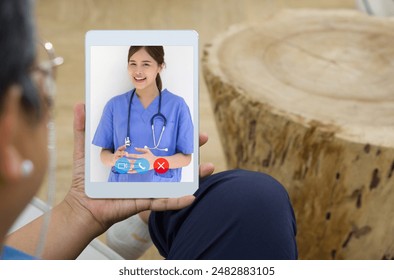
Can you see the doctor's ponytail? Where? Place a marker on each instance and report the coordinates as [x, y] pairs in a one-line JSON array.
[[159, 84], [157, 53]]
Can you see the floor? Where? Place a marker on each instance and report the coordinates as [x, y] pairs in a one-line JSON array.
[[65, 23]]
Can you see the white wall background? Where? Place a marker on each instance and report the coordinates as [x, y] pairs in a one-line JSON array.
[[109, 77]]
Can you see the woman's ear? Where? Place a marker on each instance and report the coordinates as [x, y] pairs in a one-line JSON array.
[[11, 161], [161, 67]]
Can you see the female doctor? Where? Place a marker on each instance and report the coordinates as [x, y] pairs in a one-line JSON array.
[[145, 123]]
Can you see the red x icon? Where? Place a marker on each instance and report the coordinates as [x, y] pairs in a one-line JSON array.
[[161, 165]]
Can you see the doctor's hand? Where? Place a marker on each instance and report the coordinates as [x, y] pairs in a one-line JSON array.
[[177, 160], [119, 153], [144, 153], [96, 215]]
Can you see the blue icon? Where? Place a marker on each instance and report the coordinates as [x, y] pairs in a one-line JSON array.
[[141, 165], [122, 165]]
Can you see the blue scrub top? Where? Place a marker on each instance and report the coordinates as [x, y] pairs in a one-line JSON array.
[[10, 253], [177, 136]]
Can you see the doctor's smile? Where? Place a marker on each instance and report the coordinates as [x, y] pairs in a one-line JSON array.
[[139, 79]]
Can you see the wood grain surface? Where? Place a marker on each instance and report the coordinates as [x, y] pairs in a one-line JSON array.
[[308, 98]]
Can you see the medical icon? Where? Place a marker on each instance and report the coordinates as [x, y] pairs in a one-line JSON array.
[[122, 165], [141, 165], [161, 165]]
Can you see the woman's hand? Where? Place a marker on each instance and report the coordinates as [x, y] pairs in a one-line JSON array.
[[78, 219], [105, 212], [206, 169]]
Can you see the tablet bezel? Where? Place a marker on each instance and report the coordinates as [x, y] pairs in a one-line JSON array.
[[146, 38]]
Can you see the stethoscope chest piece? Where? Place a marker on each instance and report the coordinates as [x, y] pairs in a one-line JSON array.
[[127, 141]]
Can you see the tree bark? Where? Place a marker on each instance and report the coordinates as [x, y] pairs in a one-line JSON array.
[[307, 96]]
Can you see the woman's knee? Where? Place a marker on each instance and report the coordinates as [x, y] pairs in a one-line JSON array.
[[253, 190]]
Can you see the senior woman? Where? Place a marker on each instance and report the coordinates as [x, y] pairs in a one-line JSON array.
[[236, 214], [24, 114]]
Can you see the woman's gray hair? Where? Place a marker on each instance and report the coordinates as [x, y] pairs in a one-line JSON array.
[[17, 51]]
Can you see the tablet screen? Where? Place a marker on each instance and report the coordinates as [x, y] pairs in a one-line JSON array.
[[141, 113]]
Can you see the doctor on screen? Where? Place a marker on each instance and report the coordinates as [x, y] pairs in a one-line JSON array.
[[146, 134]]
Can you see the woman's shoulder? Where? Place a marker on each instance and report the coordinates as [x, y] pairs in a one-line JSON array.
[[120, 98], [172, 96]]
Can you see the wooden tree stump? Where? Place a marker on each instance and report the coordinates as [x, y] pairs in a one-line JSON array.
[[308, 97]]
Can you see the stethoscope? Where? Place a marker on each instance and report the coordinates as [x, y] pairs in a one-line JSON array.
[[127, 141]]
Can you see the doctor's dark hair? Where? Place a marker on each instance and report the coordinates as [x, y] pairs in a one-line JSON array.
[[17, 52], [156, 52]]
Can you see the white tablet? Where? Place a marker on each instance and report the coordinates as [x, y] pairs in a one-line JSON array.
[[141, 113]]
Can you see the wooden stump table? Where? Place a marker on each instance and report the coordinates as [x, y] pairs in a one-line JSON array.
[[307, 96]]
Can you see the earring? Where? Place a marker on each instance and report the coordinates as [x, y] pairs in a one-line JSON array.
[[27, 167]]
